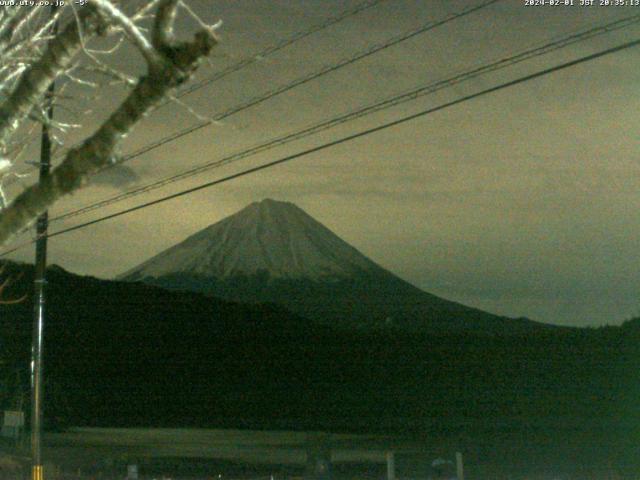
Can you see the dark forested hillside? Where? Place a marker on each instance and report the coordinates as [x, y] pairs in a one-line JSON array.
[[125, 354]]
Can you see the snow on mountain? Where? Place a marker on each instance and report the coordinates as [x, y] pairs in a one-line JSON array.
[[272, 236], [273, 252]]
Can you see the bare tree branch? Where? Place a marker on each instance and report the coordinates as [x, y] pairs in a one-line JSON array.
[[6, 283], [13, 24], [179, 61], [163, 27], [130, 29], [35, 81]]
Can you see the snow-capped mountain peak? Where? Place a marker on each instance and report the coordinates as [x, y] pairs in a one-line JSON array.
[[274, 252], [267, 236]]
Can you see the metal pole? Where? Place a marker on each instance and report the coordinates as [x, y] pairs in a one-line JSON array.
[[391, 466], [459, 466], [39, 298]]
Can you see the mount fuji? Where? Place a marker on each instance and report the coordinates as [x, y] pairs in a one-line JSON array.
[[274, 252]]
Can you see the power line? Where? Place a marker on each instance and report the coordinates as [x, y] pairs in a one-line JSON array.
[[360, 112], [308, 78], [300, 80], [279, 46], [305, 79], [296, 37], [347, 138]]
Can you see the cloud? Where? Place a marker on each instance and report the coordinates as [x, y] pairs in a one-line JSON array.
[[118, 176]]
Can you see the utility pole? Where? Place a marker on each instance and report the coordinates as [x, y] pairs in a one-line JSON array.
[[459, 466], [391, 466], [39, 295]]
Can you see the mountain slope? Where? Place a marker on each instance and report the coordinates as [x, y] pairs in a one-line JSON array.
[[123, 354], [269, 236], [274, 252]]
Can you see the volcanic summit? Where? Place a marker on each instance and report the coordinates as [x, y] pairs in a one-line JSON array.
[[274, 252]]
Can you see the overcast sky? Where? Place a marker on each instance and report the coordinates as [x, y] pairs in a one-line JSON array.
[[524, 202]]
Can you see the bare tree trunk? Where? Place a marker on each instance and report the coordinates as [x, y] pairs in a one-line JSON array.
[[169, 64]]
